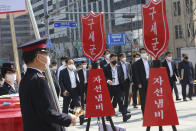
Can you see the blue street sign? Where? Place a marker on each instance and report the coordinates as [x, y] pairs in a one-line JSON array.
[[65, 24], [49, 44], [116, 39]]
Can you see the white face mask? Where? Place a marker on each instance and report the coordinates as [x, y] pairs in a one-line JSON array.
[[84, 66], [108, 56], [144, 56], [10, 77], [124, 60], [54, 67], [136, 59], [169, 58], [47, 62], [63, 63], [72, 67]]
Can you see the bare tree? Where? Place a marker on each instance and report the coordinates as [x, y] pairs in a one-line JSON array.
[[190, 36]]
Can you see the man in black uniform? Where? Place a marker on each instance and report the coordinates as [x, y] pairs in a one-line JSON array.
[[106, 60], [114, 78], [187, 76], [37, 106], [8, 72], [172, 72]]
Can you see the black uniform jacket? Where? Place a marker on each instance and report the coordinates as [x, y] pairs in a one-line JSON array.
[[103, 63], [81, 76], [140, 73], [38, 109], [65, 82], [7, 89], [108, 73], [174, 68]]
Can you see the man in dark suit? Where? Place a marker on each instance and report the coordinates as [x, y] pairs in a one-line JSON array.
[[125, 68], [142, 69], [83, 77], [8, 72], [38, 109], [106, 60], [187, 76], [70, 88], [171, 71], [114, 77], [135, 87]]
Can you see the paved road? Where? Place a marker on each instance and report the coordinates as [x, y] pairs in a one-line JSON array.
[[186, 114]]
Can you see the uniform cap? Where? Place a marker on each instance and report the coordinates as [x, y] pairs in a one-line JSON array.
[[36, 45]]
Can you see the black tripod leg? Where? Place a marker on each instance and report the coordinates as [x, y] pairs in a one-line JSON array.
[[160, 128], [103, 122], [174, 128], [111, 123], [88, 124], [148, 128]]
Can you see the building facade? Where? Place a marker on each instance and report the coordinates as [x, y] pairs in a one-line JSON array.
[[180, 13], [23, 30]]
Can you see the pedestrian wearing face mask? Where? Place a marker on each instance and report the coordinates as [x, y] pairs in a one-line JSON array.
[[38, 108], [83, 77], [114, 77], [142, 69], [135, 87], [70, 86], [63, 66], [8, 72], [106, 60], [172, 72], [53, 70], [186, 72], [126, 70]]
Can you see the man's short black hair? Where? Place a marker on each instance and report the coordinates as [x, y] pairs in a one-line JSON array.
[[63, 58], [68, 59], [84, 62], [79, 64], [167, 53], [137, 54], [106, 51], [113, 55], [29, 57], [141, 49], [54, 62], [121, 54], [183, 55]]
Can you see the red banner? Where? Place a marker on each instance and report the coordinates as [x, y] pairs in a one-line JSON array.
[[159, 107], [155, 27], [93, 36], [98, 97]]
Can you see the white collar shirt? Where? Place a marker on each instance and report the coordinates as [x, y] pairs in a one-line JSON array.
[[147, 68], [72, 78], [85, 76], [115, 80], [170, 68], [124, 70]]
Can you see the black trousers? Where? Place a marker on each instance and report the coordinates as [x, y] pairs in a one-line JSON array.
[[83, 95], [143, 93], [174, 87], [72, 98], [116, 93], [134, 90], [184, 84], [126, 88]]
